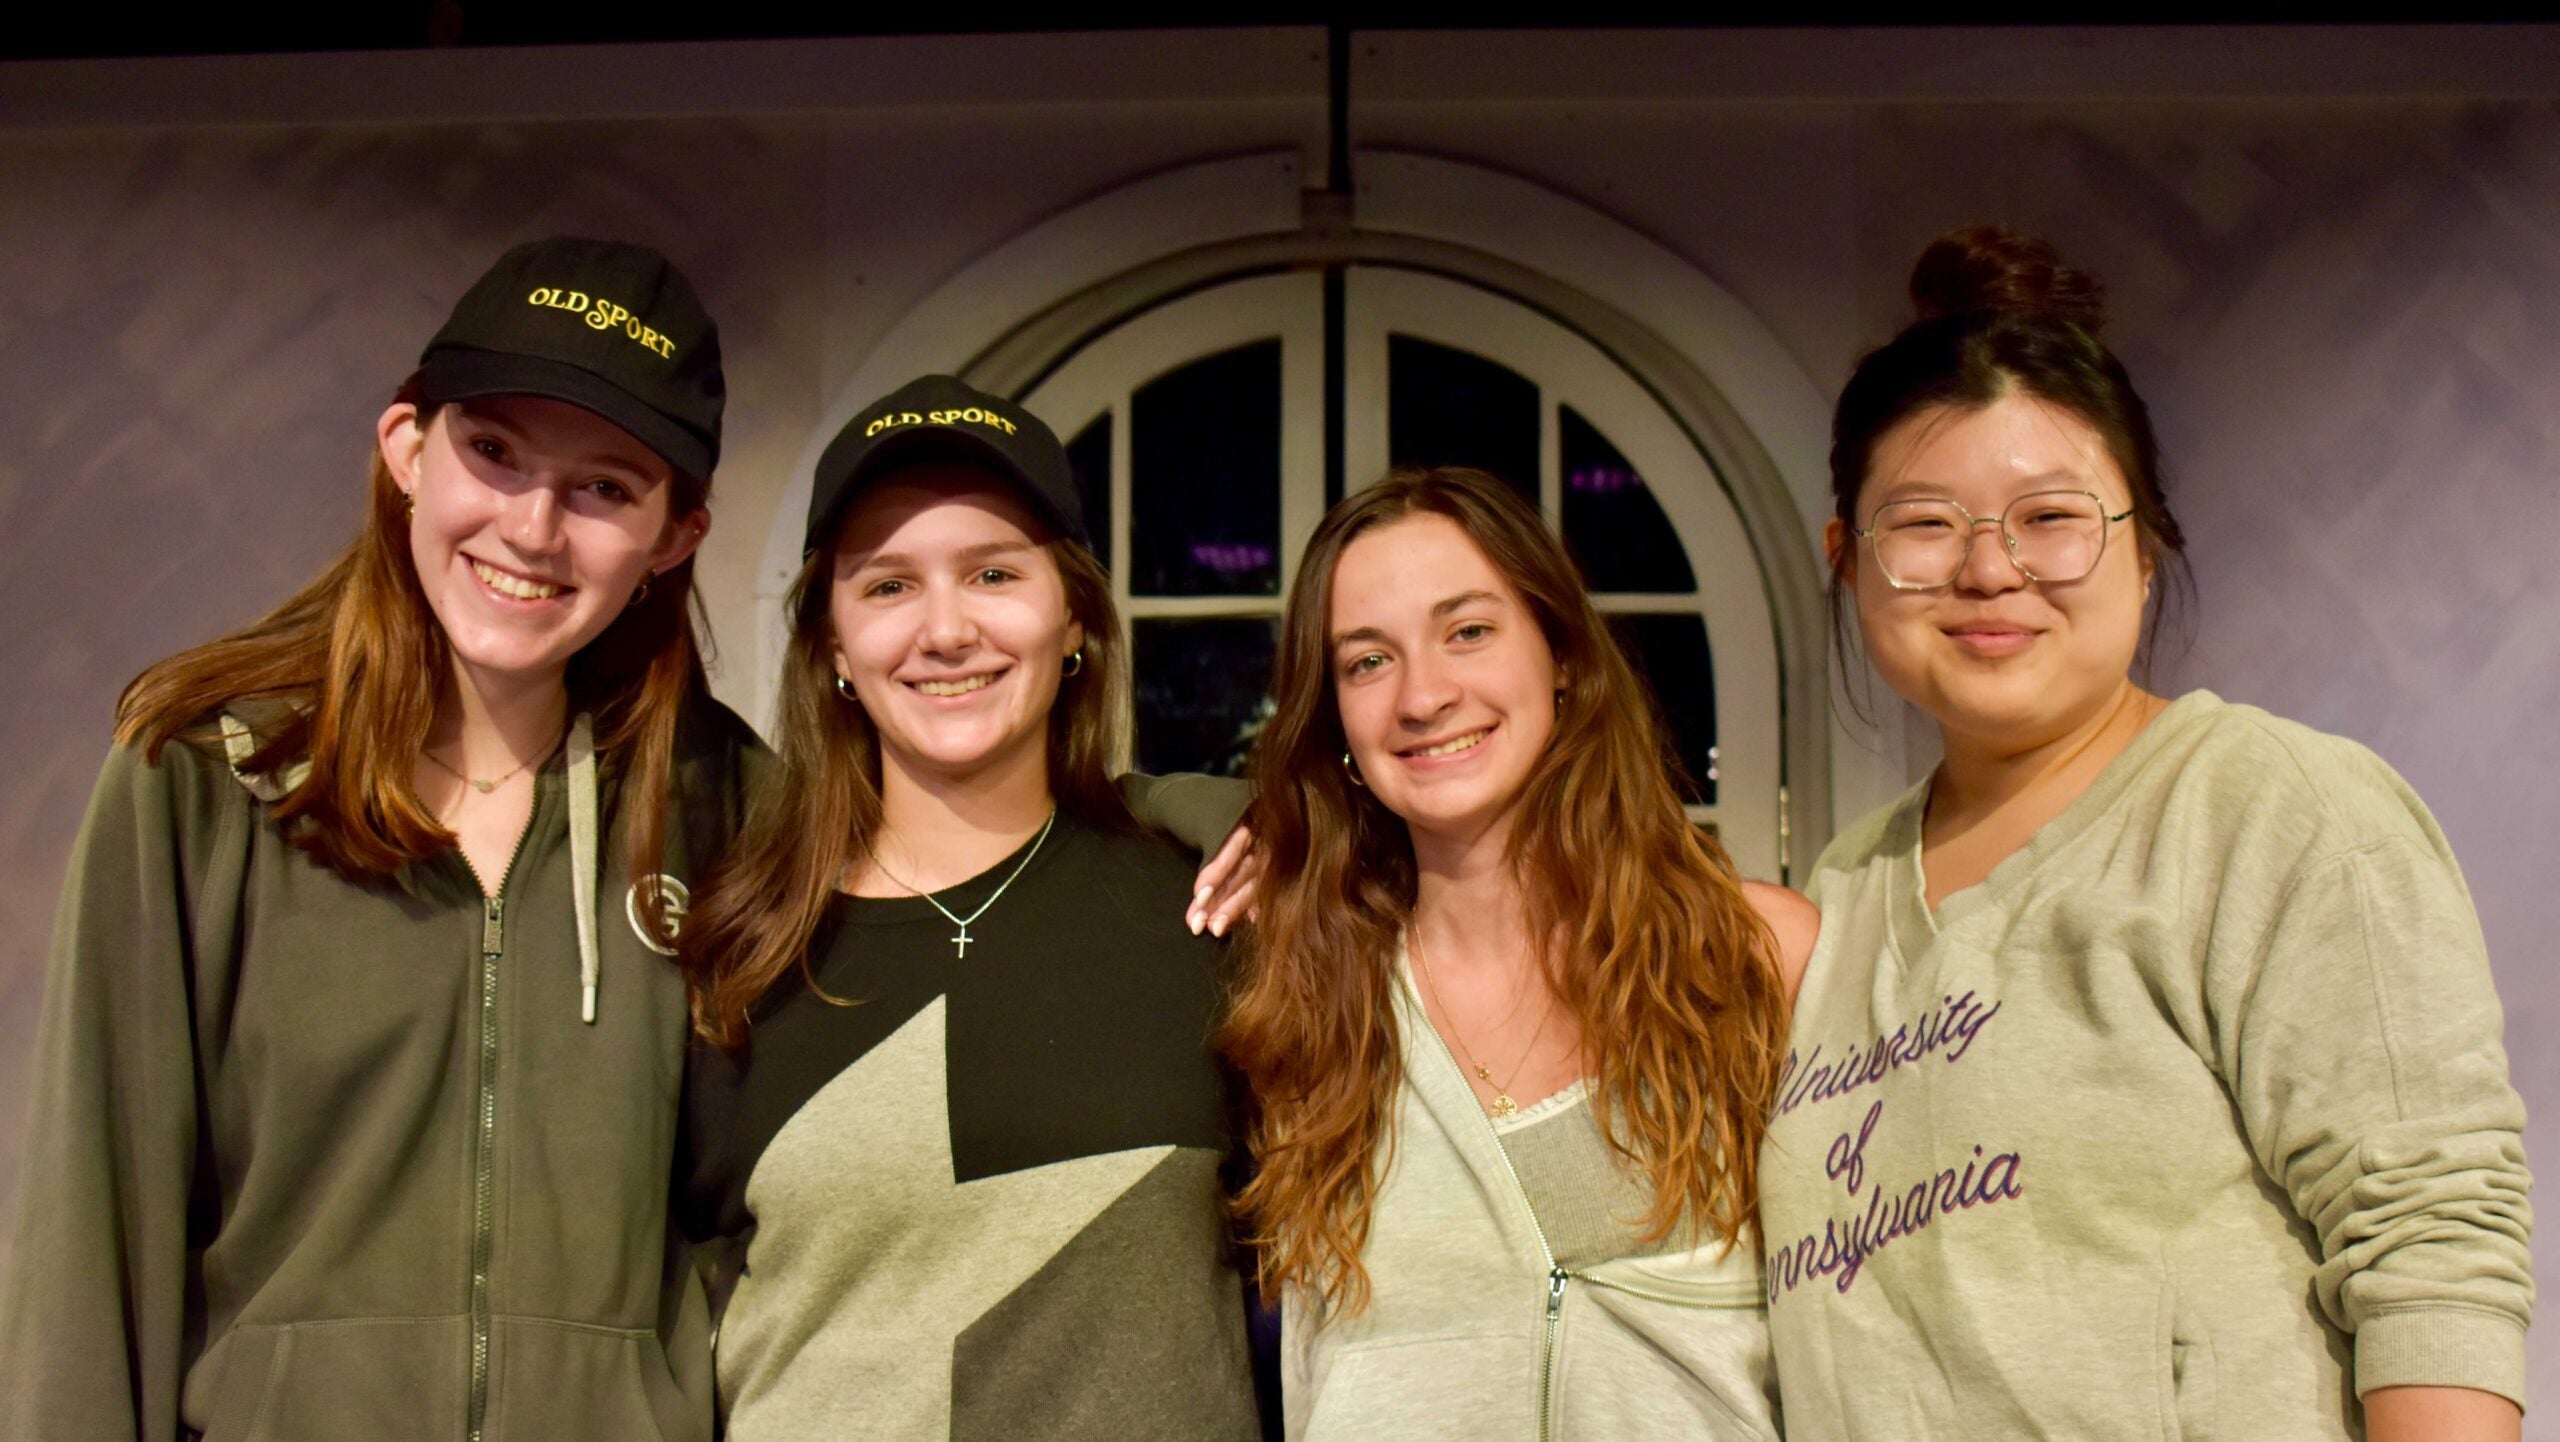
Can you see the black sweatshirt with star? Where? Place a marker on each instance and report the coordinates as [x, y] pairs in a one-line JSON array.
[[979, 1196]]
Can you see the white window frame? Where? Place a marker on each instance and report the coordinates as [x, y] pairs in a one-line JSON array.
[[1102, 376]]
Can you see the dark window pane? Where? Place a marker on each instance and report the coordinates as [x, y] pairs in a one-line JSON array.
[[1612, 523], [1454, 408], [1089, 457], [1671, 652], [1204, 478], [1200, 691]]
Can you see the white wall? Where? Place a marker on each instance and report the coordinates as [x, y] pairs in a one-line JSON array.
[[2336, 256]]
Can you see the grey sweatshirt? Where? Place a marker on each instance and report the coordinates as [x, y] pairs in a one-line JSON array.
[[2192, 1120]]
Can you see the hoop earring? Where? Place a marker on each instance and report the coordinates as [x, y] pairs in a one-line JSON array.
[[844, 688], [1074, 665], [642, 593], [1351, 769]]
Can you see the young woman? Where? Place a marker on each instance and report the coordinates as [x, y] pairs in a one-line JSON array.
[[957, 1108], [354, 1086], [2148, 1080], [1510, 1023]]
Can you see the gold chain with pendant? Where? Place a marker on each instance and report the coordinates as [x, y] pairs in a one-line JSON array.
[[485, 787], [1503, 1106]]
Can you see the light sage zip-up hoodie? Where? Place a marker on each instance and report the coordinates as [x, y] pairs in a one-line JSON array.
[[1474, 1332], [2190, 1121], [314, 1159]]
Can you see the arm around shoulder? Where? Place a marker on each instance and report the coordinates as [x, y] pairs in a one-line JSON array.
[[1793, 922], [93, 1304], [1195, 809]]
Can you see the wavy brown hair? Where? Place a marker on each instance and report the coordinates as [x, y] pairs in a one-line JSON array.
[[359, 661], [752, 920], [1662, 960]]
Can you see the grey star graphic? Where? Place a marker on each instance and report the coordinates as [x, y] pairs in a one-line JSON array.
[[868, 1260]]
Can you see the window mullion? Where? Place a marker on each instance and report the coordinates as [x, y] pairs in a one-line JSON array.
[[1121, 443], [1550, 461]]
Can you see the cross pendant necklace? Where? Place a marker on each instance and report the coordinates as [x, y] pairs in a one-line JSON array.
[[960, 943]]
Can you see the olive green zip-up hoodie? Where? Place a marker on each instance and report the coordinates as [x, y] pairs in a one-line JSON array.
[[319, 1159]]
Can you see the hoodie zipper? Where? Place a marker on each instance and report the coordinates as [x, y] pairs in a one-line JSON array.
[[484, 1141], [1557, 1276]]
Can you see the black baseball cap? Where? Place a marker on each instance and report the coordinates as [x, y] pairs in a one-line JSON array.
[[602, 324], [938, 418]]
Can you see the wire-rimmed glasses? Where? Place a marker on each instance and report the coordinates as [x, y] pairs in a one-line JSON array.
[[2051, 536]]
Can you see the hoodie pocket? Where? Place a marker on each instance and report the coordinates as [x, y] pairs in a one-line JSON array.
[[1469, 1387], [238, 1373], [567, 1382], [386, 1380]]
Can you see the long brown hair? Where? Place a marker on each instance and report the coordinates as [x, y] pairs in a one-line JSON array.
[[752, 920], [359, 661], [1662, 960]]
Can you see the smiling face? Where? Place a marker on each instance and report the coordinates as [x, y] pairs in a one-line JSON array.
[[534, 521], [951, 623], [2000, 661], [1445, 684]]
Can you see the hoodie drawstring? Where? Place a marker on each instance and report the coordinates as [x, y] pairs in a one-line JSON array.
[[582, 857]]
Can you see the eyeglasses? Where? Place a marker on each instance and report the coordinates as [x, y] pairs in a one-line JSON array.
[[2053, 536]]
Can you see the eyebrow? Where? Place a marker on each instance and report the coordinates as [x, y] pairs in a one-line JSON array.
[[635, 468], [1439, 611], [1918, 490], [983, 551]]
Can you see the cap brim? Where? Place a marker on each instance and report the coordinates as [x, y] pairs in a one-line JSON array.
[[456, 373], [931, 443]]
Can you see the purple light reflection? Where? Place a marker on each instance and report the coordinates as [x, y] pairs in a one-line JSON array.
[[1600, 480], [1231, 559]]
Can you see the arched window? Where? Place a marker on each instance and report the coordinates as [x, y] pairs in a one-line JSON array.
[[1224, 349], [1198, 431]]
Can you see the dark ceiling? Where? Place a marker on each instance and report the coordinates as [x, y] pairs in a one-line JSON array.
[[59, 30]]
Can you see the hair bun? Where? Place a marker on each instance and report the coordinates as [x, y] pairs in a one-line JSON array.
[[1991, 267]]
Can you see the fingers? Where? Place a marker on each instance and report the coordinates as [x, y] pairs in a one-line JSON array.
[[1236, 901], [1213, 890]]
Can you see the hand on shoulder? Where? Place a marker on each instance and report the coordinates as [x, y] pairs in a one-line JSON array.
[[1793, 921]]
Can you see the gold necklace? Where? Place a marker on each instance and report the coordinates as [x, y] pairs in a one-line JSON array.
[[1503, 1107], [474, 782]]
